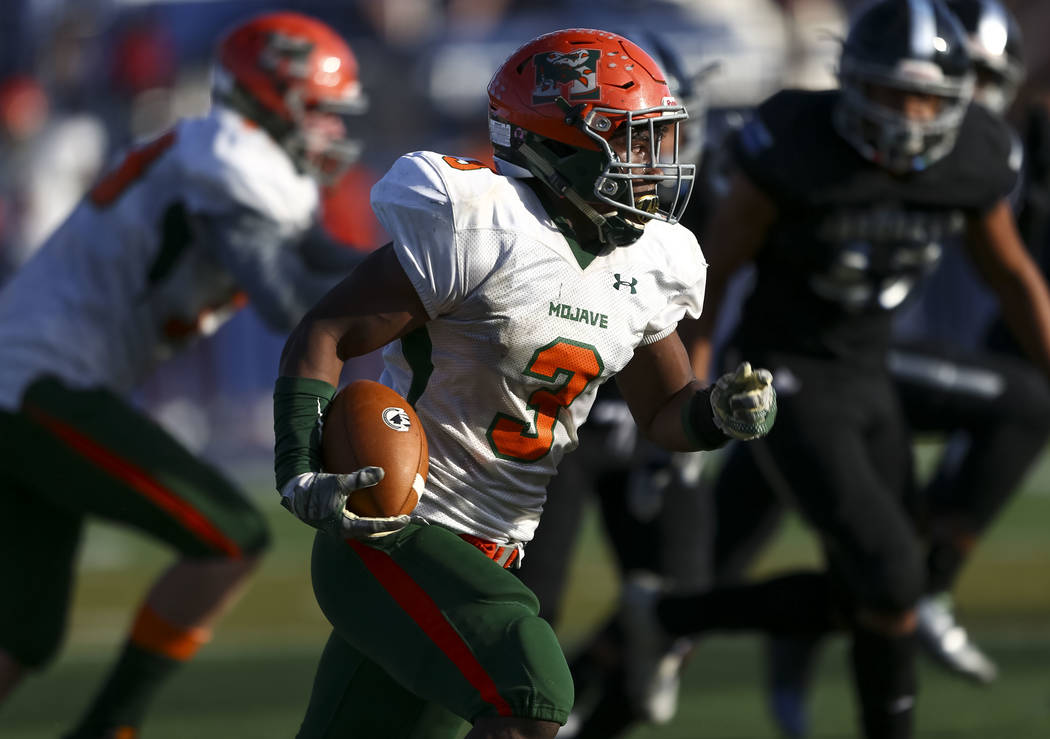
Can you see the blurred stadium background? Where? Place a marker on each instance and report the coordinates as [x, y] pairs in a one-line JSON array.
[[80, 79]]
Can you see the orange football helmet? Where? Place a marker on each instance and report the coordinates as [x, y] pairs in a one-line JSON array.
[[590, 114], [24, 107], [297, 78]]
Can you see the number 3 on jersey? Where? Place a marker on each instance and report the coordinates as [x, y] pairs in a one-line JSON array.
[[569, 364]]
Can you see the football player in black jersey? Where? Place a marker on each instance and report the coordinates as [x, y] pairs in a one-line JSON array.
[[997, 406], [992, 406], [843, 201]]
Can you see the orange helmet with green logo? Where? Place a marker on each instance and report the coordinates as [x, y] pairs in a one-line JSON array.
[[556, 104]]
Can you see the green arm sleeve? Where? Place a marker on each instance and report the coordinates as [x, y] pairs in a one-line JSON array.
[[699, 423], [299, 404]]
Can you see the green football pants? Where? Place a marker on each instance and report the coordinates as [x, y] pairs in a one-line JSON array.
[[426, 628], [69, 454]]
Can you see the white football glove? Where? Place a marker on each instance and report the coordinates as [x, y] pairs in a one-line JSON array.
[[319, 499], [744, 402]]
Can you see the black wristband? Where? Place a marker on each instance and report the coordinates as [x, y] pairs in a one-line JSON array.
[[699, 422], [298, 406]]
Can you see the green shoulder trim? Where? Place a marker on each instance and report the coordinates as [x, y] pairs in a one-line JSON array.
[[176, 235], [564, 226], [417, 349], [583, 257]]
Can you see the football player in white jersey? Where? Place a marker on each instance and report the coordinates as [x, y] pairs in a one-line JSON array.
[[506, 298], [217, 212]]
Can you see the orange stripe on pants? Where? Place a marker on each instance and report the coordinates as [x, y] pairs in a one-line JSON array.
[[138, 480], [155, 634]]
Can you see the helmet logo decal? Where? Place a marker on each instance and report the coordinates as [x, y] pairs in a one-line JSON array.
[[576, 69], [287, 55]]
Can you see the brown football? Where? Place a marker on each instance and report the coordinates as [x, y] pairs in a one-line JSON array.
[[367, 424]]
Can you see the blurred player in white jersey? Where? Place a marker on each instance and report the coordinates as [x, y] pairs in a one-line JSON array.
[[218, 212], [506, 298]]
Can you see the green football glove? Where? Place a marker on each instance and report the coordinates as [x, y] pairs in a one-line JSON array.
[[744, 402]]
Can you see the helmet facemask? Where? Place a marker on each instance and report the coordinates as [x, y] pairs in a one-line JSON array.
[[889, 137], [630, 181], [317, 140], [996, 90], [999, 77]]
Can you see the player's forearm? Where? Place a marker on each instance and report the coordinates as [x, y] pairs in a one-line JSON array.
[[696, 336], [686, 423], [1025, 305], [281, 283], [306, 383], [1016, 279]]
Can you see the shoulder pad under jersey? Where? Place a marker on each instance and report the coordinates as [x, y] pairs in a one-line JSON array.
[[987, 155], [465, 192], [227, 163], [788, 142]]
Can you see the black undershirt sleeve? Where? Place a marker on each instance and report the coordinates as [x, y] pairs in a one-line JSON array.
[[283, 275]]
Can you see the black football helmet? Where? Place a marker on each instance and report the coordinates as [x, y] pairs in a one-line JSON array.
[[912, 45], [994, 43]]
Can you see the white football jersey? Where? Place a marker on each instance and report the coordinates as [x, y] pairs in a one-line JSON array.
[[121, 283], [521, 334]]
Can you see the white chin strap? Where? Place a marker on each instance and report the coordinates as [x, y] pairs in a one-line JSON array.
[[512, 170]]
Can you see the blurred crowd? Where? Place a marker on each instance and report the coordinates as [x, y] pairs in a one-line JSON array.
[[81, 79]]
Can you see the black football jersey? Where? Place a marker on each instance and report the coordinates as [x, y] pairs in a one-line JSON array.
[[852, 240]]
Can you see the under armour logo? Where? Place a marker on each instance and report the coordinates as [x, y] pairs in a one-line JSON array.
[[625, 283]]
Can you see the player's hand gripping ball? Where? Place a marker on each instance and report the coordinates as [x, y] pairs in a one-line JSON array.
[[369, 425], [744, 402]]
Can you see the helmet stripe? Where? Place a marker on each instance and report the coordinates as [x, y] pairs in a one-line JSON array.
[[923, 28], [993, 29]]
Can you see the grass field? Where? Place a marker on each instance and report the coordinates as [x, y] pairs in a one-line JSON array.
[[254, 679]]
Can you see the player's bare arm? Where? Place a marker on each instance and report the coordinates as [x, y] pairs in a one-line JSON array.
[[373, 306], [282, 279], [736, 233], [673, 409], [1006, 265], [657, 384]]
